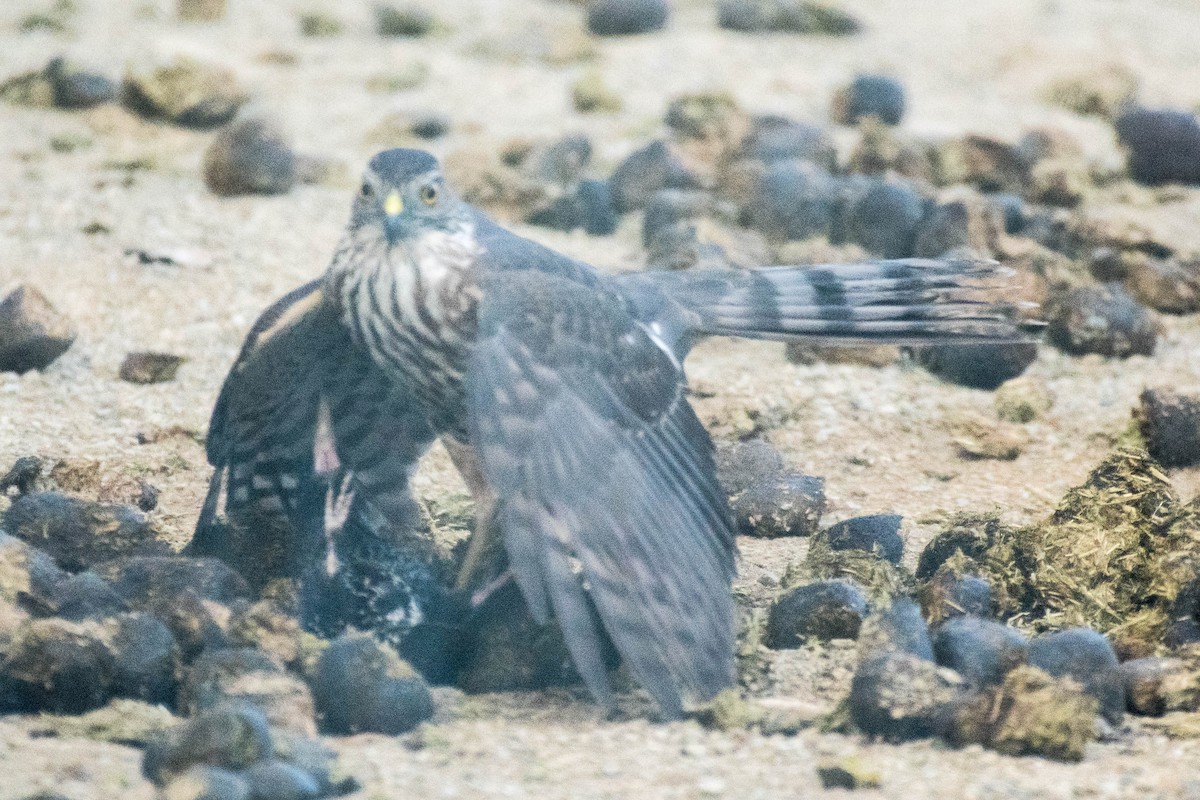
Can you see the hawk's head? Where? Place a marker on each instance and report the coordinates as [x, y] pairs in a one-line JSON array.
[[404, 196]]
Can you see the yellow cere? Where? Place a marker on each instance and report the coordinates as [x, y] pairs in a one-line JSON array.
[[393, 204]]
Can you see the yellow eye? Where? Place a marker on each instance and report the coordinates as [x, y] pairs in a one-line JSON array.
[[429, 194]]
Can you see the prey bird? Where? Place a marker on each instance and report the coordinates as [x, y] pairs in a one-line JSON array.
[[561, 395]]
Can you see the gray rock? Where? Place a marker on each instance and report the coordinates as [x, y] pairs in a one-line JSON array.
[[279, 780], [250, 156], [147, 368], [360, 686], [75, 87], [1089, 658], [878, 96], [407, 21], [1100, 319], [878, 534], [644, 172], [184, 91], [979, 366], [777, 138], [231, 738], [884, 219], [1163, 145], [899, 696], [794, 16], [1170, 424], [32, 332], [981, 651], [823, 610], [794, 200], [898, 628], [79, 534], [625, 17], [767, 499]]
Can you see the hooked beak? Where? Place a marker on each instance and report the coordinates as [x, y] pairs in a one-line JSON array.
[[393, 224]]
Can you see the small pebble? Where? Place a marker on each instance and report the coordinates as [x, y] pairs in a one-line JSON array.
[[250, 156], [898, 628], [232, 737], [878, 534], [970, 223], [1088, 657], [1100, 319], [794, 16], [1170, 424], [767, 499], [184, 91], [644, 172], [77, 88], [877, 96], [79, 534], [360, 686], [408, 21], [279, 780], [625, 17], [899, 696], [980, 650], [777, 138], [141, 579], [87, 596], [1144, 679], [431, 126], [32, 332], [884, 219], [1163, 145], [824, 610], [145, 659], [794, 200], [979, 366], [146, 368]]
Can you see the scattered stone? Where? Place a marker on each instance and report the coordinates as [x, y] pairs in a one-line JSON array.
[[979, 366], [145, 659], [895, 628], [589, 207], [1170, 424], [590, 94], [824, 610], [625, 17], [1148, 682], [79, 534], [1100, 319], [965, 535], [362, 686], [988, 164], [882, 149], [644, 172], [58, 666], [884, 219], [32, 332], [1059, 182], [142, 579], [776, 138], [848, 773], [1022, 399], [876, 96], [32, 89], [319, 25], [707, 243], [1102, 91], [87, 596], [1163, 284], [279, 780], [794, 200], [669, 206], [1087, 657], [1031, 713], [408, 21], [899, 696], [980, 437], [954, 591], [878, 534], [184, 91], [233, 738], [267, 626], [29, 578], [431, 126], [249, 156], [768, 500], [200, 10], [1163, 145], [147, 367], [970, 223], [794, 16], [980, 650], [75, 87]]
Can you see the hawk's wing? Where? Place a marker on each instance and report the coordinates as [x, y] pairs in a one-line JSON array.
[[260, 440], [606, 482]]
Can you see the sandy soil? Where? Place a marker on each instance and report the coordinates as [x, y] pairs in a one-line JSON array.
[[882, 438]]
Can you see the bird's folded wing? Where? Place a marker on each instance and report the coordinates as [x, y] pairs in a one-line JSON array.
[[605, 481], [297, 356]]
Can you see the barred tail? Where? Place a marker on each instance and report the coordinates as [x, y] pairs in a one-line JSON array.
[[904, 301]]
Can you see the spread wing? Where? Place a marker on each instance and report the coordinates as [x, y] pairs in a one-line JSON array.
[[297, 356], [606, 484]]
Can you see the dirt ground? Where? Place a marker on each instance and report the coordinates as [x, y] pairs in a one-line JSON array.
[[882, 438]]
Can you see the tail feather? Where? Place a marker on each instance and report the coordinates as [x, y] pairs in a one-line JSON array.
[[904, 301]]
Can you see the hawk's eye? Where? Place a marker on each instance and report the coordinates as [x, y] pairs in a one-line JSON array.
[[429, 194], [366, 190]]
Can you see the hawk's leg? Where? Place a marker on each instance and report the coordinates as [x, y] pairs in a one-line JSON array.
[[339, 500], [485, 548]]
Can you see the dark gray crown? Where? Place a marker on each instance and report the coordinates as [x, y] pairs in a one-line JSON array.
[[401, 164]]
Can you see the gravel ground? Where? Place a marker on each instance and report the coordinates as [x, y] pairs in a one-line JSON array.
[[882, 438]]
